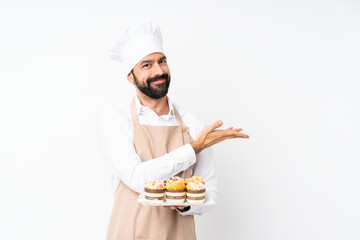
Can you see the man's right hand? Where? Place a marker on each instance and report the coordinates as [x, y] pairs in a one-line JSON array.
[[210, 136]]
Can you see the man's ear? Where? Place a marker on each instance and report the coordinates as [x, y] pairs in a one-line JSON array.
[[130, 78]]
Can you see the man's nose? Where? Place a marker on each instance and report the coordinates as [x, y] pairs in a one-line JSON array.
[[158, 70]]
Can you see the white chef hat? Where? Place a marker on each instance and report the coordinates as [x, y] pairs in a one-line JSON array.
[[136, 42]]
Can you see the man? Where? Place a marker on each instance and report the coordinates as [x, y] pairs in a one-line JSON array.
[[153, 138]]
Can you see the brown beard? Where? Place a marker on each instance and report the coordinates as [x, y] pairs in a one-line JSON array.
[[160, 91]]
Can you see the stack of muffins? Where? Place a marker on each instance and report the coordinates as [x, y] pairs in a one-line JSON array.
[[154, 189], [195, 190], [176, 190]]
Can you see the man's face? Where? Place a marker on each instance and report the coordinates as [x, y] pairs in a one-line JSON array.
[[151, 75]]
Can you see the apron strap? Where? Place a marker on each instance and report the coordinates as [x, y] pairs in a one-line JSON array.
[[179, 120], [134, 114]]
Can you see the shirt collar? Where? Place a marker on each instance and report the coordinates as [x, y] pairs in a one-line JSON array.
[[142, 110]]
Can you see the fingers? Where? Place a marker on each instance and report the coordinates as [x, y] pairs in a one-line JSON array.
[[234, 133], [218, 124], [210, 135], [215, 125], [177, 207], [242, 135]]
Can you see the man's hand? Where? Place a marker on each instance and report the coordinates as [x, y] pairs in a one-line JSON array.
[[210, 136], [179, 208], [176, 207]]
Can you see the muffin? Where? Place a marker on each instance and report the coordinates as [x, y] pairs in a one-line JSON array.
[[154, 189], [194, 179], [175, 190], [195, 192]]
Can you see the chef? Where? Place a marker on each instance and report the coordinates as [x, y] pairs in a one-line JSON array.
[[151, 137]]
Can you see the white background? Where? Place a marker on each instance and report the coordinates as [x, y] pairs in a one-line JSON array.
[[287, 72]]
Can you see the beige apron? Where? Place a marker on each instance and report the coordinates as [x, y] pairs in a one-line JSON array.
[[132, 220]]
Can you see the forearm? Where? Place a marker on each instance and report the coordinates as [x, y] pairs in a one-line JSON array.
[[135, 172], [129, 168]]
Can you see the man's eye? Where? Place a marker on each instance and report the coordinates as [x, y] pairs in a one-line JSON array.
[[163, 61], [146, 65]]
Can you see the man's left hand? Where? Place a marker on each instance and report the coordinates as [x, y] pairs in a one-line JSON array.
[[176, 207]]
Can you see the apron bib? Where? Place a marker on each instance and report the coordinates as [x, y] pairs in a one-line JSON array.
[[132, 220]]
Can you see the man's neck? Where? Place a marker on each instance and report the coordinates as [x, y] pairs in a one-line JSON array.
[[159, 106]]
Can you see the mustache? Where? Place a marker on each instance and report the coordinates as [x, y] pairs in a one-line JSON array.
[[164, 76]]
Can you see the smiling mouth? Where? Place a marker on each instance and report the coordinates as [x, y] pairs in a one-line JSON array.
[[158, 81]]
